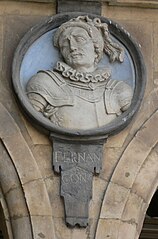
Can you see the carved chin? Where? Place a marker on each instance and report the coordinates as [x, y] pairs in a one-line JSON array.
[[77, 62], [76, 59]]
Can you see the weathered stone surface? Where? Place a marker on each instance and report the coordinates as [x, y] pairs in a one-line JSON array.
[[143, 32], [1, 42], [125, 13], [155, 46], [149, 105], [118, 140], [130, 163], [77, 155], [137, 29], [110, 159], [99, 187], [27, 8], [37, 137], [22, 228], [8, 177], [77, 164], [53, 189], [132, 209], [43, 156], [33, 188], [34, 1], [43, 227], [14, 29], [14, 196], [127, 230], [91, 229], [61, 230], [145, 134], [8, 127], [79, 233], [108, 228], [27, 171], [37, 198], [17, 204], [142, 215], [5, 225], [76, 189], [114, 200], [79, 6], [145, 179], [134, 3]]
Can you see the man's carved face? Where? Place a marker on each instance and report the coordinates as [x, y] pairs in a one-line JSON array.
[[77, 49]]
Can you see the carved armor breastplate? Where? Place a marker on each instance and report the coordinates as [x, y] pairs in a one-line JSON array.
[[76, 104]]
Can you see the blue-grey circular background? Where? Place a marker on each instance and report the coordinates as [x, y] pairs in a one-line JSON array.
[[36, 52]]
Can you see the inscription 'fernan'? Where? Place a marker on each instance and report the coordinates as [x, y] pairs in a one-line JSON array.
[[76, 157]]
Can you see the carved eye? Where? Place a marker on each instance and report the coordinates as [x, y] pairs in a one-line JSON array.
[[80, 39], [64, 44]]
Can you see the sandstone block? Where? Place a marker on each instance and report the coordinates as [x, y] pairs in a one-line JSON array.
[[61, 230], [37, 198], [138, 29], [132, 208], [8, 177], [146, 135], [118, 140], [15, 26], [22, 157], [43, 156], [127, 13], [110, 159], [37, 137], [130, 163], [16, 203], [79, 233], [1, 41], [43, 227], [107, 228], [53, 189], [127, 230], [99, 187], [155, 47], [114, 201], [22, 228], [144, 183], [27, 8]]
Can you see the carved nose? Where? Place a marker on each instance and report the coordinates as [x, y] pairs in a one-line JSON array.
[[73, 45]]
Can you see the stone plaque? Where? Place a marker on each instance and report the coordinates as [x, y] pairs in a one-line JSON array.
[[77, 164], [80, 78]]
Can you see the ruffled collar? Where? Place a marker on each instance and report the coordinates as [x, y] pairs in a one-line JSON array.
[[99, 75]]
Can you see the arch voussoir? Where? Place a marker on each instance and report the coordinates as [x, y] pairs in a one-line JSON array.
[[135, 180], [26, 181]]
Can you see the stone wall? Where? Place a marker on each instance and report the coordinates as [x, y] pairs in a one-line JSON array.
[[29, 193]]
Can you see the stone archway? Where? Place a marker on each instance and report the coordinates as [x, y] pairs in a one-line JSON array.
[[150, 225], [132, 186], [22, 184], [125, 202], [5, 225]]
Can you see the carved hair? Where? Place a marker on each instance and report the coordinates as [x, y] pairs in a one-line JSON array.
[[100, 36]]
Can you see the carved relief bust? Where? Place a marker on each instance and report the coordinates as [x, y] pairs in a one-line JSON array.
[[80, 91], [77, 93]]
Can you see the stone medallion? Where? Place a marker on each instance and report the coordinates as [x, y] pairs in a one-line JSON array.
[[80, 78]]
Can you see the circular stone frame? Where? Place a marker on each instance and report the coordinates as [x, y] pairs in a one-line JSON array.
[[79, 135]]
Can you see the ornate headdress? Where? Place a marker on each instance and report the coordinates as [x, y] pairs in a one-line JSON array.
[[98, 32]]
